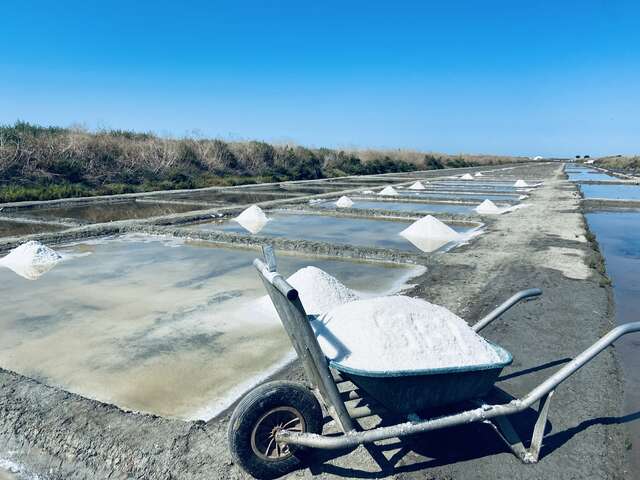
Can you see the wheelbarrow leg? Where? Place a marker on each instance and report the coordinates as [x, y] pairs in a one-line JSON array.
[[538, 430], [507, 433]]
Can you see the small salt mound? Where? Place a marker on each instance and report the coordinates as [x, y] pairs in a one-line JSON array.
[[344, 202], [479, 174], [319, 292], [31, 260], [417, 186], [368, 192], [430, 227], [488, 208], [252, 219], [466, 176], [429, 234], [399, 333], [520, 184], [388, 191]]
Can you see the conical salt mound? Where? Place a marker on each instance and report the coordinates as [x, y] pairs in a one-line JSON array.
[[429, 234], [417, 186], [488, 208], [344, 202], [466, 176], [31, 260], [430, 227], [428, 245], [252, 219], [479, 174], [388, 191], [319, 291], [520, 184]]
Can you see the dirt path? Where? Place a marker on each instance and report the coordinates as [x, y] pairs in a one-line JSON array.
[[544, 246]]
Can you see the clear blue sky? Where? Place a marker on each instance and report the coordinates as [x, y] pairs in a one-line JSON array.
[[516, 76]]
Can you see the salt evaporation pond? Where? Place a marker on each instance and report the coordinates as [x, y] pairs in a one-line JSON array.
[[583, 174], [297, 188], [316, 190], [361, 180], [240, 196], [155, 325], [618, 234], [455, 208], [462, 195], [364, 232], [611, 192], [100, 212], [491, 187], [9, 228]]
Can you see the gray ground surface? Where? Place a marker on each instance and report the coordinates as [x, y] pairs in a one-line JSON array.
[[64, 436]]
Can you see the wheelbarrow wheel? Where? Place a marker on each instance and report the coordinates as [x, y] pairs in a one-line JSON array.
[[260, 415]]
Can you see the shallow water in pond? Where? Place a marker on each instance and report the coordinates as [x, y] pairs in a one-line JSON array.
[[9, 228], [364, 232], [101, 212], [582, 174], [472, 185], [618, 234], [297, 188], [462, 196], [611, 192], [363, 181], [229, 197], [316, 190], [167, 328], [405, 206]]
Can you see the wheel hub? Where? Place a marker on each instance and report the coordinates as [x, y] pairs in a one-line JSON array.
[[263, 435]]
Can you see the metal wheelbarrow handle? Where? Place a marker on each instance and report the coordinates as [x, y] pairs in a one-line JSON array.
[[541, 393], [498, 311]]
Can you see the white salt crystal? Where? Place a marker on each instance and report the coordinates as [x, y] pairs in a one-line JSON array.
[[429, 234], [344, 202], [399, 333], [319, 292], [388, 191], [417, 186], [488, 208], [252, 219], [31, 260], [430, 227]]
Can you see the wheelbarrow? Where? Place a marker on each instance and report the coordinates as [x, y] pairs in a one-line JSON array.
[[277, 423]]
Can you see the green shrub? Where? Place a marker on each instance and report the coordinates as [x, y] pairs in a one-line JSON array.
[[432, 163]]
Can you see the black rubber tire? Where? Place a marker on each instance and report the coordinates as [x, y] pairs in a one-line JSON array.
[[252, 408]]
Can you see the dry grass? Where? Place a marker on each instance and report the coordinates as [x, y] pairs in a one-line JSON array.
[[50, 162], [619, 163]]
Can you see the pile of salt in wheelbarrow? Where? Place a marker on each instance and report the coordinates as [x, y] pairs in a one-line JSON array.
[[276, 423]]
